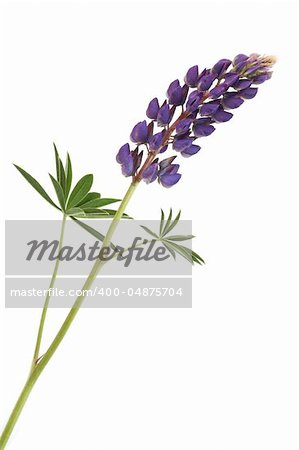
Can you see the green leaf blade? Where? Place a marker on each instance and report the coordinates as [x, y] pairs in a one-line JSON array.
[[80, 191], [36, 185], [59, 192]]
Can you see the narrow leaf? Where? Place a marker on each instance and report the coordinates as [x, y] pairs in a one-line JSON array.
[[91, 230], [185, 252], [57, 161], [68, 175], [98, 202], [62, 177], [196, 258], [90, 196], [168, 222], [161, 222], [171, 251], [35, 184], [76, 212], [59, 192], [172, 224], [177, 237], [80, 191], [150, 232]]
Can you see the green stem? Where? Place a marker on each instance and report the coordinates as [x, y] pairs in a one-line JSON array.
[[39, 367], [47, 300]]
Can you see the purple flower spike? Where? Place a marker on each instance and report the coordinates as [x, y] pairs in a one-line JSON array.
[[192, 77], [202, 127], [222, 116], [181, 143], [139, 133], [221, 66], [155, 141], [123, 154], [190, 151], [150, 174], [153, 109], [248, 93], [215, 91], [232, 100], [183, 126], [163, 117], [209, 109]]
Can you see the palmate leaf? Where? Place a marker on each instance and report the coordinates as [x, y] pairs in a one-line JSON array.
[[80, 191], [36, 185], [171, 242]]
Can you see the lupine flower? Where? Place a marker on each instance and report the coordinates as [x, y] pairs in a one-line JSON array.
[[139, 133], [168, 174], [153, 109], [190, 112]]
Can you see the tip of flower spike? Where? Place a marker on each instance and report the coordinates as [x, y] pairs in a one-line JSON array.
[[269, 60]]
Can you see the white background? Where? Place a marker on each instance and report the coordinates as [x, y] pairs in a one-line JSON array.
[[222, 375]]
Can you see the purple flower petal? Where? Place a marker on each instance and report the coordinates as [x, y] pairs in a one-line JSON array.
[[166, 162], [155, 141], [240, 61], [169, 180], [259, 79], [175, 93], [181, 143], [202, 127], [248, 93], [163, 117], [139, 133], [231, 78], [150, 173], [127, 166], [190, 151], [206, 82], [183, 126], [217, 91], [153, 109], [232, 100], [222, 116], [193, 101], [192, 77], [243, 83], [221, 66], [163, 149], [210, 108], [123, 153]]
